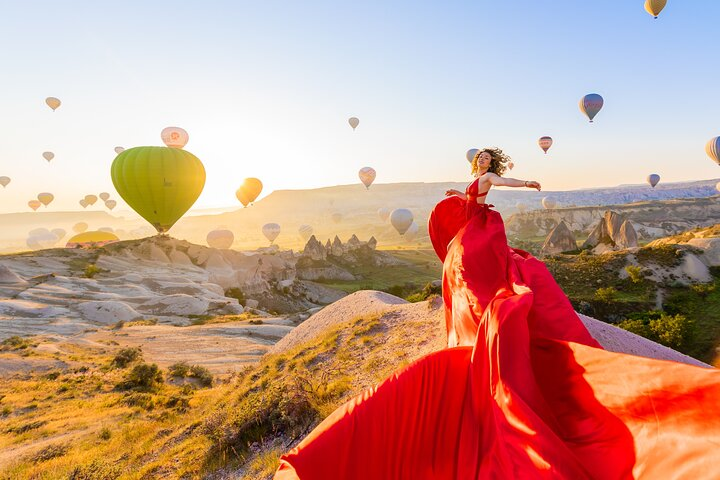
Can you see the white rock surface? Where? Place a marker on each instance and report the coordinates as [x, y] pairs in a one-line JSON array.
[[179, 305], [7, 276], [107, 312]]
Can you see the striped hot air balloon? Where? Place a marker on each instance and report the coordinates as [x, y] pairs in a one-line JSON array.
[[591, 104], [712, 148]]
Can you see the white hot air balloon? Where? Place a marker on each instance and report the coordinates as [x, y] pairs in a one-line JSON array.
[[4, 181], [412, 231], [383, 213], [104, 196], [48, 156], [470, 154], [354, 122], [305, 232], [367, 176], [220, 238], [271, 231], [80, 227], [401, 219], [42, 237], [110, 204], [53, 102], [119, 150], [174, 137], [90, 199], [549, 203], [653, 179], [46, 198]]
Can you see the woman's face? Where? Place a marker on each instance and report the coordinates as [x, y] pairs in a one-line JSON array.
[[484, 160]]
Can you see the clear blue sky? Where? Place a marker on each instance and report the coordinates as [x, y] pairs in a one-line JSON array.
[[265, 90]]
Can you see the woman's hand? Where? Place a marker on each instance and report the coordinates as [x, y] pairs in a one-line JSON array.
[[452, 192], [533, 184]]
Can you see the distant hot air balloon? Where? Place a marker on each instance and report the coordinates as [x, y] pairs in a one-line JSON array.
[[545, 143], [367, 176], [59, 233], [41, 238], [271, 231], [549, 203], [83, 203], [401, 219], [521, 207], [470, 154], [511, 165], [717, 186], [4, 181], [249, 191], [336, 217], [104, 196], [384, 213], [221, 239], [91, 239], [48, 156], [174, 137], [412, 231], [80, 227], [162, 194], [712, 148], [90, 199], [110, 204], [354, 122], [305, 232], [45, 198], [53, 102], [106, 229], [653, 179], [34, 204], [654, 7], [119, 150], [591, 104]]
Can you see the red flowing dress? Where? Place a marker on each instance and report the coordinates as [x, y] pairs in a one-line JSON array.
[[522, 392]]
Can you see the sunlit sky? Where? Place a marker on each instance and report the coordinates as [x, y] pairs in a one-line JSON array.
[[265, 90]]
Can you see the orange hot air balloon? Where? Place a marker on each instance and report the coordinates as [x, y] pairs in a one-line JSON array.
[[545, 143], [654, 7], [34, 204], [90, 199], [249, 191], [53, 102], [367, 176], [45, 198]]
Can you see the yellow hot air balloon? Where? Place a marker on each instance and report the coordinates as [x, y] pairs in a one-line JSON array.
[[48, 156], [159, 183], [354, 122], [654, 7], [249, 191], [80, 227], [174, 137], [4, 181], [110, 204], [90, 199], [34, 204], [104, 196], [222, 239], [367, 176], [271, 231], [45, 198], [91, 239], [53, 102]]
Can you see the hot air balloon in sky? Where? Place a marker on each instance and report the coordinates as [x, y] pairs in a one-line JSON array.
[[59, 233], [271, 231], [712, 148], [470, 154], [654, 7], [653, 179], [549, 203], [91, 239], [367, 176], [717, 186], [174, 137], [305, 232], [90, 199], [354, 122], [383, 213], [511, 165], [401, 219], [220, 238], [41, 238], [110, 204], [249, 191], [545, 143], [34, 204], [80, 227], [48, 156], [104, 196], [412, 231], [591, 104], [119, 150], [53, 102], [4, 181], [45, 198], [159, 183], [83, 203]]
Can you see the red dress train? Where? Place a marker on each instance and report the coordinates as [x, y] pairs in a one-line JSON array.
[[523, 392]]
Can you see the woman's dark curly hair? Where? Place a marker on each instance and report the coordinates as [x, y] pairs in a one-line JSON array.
[[499, 161]]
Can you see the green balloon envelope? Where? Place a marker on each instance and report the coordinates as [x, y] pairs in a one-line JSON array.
[[159, 183]]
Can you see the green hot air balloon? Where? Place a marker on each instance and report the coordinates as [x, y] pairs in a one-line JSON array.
[[159, 183]]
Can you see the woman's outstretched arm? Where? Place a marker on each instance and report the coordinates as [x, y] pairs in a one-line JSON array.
[[452, 192], [498, 181]]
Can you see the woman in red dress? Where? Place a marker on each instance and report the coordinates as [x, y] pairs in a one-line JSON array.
[[523, 391]]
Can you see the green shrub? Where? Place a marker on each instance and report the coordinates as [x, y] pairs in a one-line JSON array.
[[143, 377], [237, 294], [703, 289], [634, 273], [142, 400], [606, 294], [673, 331], [126, 356], [180, 369], [16, 343], [105, 434], [202, 374], [91, 270]]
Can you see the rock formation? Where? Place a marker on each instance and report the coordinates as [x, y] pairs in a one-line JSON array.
[[612, 232], [561, 239]]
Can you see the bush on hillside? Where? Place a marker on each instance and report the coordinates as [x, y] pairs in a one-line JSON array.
[[673, 331]]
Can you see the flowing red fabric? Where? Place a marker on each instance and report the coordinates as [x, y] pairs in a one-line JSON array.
[[522, 392]]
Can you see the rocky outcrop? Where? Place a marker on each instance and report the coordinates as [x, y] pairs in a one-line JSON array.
[[561, 239], [612, 232]]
